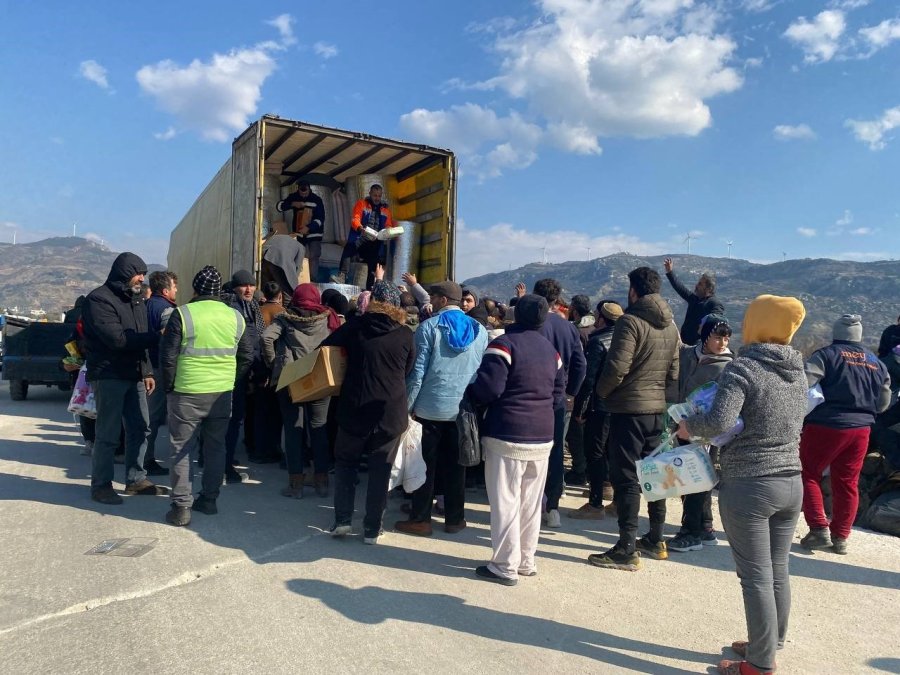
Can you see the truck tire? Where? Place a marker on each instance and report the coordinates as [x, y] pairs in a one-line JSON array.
[[18, 390]]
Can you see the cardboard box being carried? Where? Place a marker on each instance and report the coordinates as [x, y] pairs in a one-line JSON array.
[[316, 375]]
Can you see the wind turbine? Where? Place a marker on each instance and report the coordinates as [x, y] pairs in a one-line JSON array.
[[544, 255], [730, 244], [783, 256], [73, 227], [687, 240], [589, 252]]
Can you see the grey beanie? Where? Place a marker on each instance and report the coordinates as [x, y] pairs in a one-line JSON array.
[[531, 311], [848, 328]]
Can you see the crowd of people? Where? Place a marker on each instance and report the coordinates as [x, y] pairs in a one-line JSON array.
[[542, 375]]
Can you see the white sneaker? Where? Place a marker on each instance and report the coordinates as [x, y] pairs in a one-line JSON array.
[[88, 448], [553, 519], [340, 530]]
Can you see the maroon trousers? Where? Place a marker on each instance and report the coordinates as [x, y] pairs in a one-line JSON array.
[[844, 451]]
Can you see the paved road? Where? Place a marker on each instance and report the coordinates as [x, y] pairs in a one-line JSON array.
[[259, 588]]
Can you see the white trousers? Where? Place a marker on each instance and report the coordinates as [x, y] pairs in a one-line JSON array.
[[515, 489]]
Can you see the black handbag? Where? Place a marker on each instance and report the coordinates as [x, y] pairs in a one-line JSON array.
[[467, 428]]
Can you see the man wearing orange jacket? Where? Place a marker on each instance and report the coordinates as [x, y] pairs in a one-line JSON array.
[[370, 216]]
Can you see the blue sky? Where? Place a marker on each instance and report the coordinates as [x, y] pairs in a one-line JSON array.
[[582, 127]]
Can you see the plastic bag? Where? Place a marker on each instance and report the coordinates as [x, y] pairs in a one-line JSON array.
[[409, 465], [814, 398], [82, 400], [467, 429], [700, 401], [673, 472]]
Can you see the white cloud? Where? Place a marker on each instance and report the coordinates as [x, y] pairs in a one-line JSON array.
[[325, 50], [862, 231], [94, 72], [882, 35], [799, 132], [753, 62], [166, 135], [845, 219], [820, 38], [214, 98], [759, 5], [285, 25], [488, 143], [807, 231], [495, 248], [594, 68], [874, 131]]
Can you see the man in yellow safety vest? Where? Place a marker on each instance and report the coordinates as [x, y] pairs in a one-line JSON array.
[[204, 350]]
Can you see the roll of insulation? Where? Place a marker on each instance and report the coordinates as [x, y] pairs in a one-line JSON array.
[[271, 197], [349, 291], [342, 212], [404, 252], [324, 194], [358, 187]]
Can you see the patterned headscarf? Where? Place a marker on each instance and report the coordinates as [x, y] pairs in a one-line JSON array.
[[385, 291]]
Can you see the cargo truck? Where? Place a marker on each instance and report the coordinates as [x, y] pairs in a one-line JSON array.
[[227, 223]]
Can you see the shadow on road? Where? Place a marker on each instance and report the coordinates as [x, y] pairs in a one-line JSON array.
[[373, 605]]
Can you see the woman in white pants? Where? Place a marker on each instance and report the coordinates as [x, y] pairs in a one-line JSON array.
[[516, 381]]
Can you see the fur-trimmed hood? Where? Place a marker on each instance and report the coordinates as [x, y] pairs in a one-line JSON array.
[[398, 314]]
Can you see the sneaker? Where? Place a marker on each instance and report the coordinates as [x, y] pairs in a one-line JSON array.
[[616, 559], [88, 448], [575, 479], [587, 512], [528, 572], [729, 667], [179, 516], [341, 529], [205, 505], [146, 488], [818, 538], [553, 519], [684, 542], [371, 538], [839, 546], [485, 573], [657, 551], [153, 468], [106, 495], [708, 538], [233, 476]]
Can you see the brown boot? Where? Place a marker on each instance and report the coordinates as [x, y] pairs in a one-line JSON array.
[[321, 482], [413, 528], [294, 490]]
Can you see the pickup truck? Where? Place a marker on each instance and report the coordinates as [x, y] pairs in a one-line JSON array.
[[32, 355]]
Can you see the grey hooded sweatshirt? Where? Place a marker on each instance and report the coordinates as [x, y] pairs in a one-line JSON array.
[[766, 385]]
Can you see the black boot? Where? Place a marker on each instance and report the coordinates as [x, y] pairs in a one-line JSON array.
[[179, 516]]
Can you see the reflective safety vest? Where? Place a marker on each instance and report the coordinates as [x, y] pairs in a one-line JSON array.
[[207, 363]]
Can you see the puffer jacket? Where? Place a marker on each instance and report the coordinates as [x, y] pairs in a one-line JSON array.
[[642, 359], [116, 333], [766, 385], [291, 336], [449, 347], [695, 369]]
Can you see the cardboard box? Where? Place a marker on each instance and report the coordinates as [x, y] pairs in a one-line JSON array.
[[316, 375]]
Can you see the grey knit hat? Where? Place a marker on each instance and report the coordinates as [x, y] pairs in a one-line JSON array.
[[848, 328], [207, 281]]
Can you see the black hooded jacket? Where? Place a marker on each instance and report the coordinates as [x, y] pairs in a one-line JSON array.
[[380, 354], [116, 334]]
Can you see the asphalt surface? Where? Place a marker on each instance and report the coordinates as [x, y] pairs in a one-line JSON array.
[[260, 588]]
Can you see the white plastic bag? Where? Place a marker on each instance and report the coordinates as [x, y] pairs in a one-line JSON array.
[[673, 472], [82, 399], [814, 398], [409, 465]]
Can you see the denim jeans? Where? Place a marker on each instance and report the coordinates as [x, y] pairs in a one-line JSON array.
[[556, 468], [156, 402], [759, 515], [305, 430], [119, 402]]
